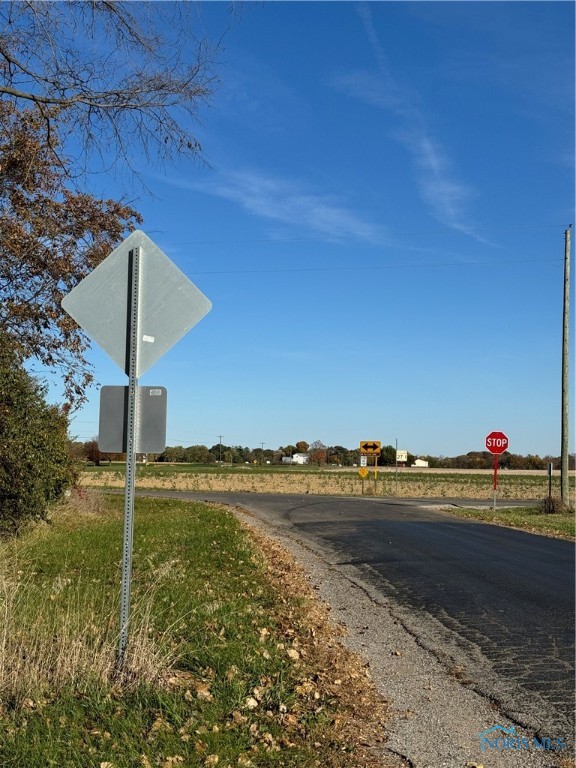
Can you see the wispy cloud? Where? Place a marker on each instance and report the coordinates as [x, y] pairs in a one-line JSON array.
[[371, 88], [445, 195], [290, 203], [438, 185]]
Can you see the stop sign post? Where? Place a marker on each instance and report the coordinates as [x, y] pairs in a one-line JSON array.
[[496, 443]]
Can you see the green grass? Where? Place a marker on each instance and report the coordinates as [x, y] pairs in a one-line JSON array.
[[214, 677], [527, 518]]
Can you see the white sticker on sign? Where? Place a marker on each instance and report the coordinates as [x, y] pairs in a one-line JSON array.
[[149, 339], [155, 392]]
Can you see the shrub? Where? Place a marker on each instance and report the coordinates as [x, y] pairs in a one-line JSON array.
[[35, 467], [553, 506]]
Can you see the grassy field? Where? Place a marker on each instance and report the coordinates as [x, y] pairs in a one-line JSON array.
[[527, 518], [408, 483], [231, 663]]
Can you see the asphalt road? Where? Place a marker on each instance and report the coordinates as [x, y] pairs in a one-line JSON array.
[[495, 605]]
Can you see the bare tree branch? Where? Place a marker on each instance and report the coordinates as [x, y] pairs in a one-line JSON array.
[[112, 69]]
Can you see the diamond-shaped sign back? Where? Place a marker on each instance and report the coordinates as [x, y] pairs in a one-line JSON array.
[[169, 303]]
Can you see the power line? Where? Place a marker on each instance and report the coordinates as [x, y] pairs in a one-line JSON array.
[[366, 268], [351, 237]]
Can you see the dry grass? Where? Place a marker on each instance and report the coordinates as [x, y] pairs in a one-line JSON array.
[[329, 671], [70, 645], [60, 633]]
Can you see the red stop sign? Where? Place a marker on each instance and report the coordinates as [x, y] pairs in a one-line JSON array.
[[497, 442]]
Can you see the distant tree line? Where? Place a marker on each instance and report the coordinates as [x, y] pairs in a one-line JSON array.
[[485, 460], [318, 454]]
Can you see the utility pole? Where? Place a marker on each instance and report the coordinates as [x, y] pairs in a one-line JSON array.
[[396, 463], [262, 455], [220, 450], [564, 473]]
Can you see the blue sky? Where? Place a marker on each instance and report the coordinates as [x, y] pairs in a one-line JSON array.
[[380, 229]]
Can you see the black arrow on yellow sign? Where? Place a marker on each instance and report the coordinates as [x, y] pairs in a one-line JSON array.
[[370, 447]]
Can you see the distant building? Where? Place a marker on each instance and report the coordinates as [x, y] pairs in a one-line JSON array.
[[420, 463], [299, 458]]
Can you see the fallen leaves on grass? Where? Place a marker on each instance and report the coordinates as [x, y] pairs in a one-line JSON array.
[[332, 678], [203, 692]]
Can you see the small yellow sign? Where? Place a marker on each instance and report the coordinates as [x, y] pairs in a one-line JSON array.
[[363, 472]]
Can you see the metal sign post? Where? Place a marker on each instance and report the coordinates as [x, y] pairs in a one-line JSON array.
[[495, 481], [131, 438], [363, 472]]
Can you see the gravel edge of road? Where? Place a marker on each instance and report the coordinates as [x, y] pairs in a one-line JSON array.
[[436, 718]]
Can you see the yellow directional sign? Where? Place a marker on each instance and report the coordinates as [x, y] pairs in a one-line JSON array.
[[363, 472], [370, 447]]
